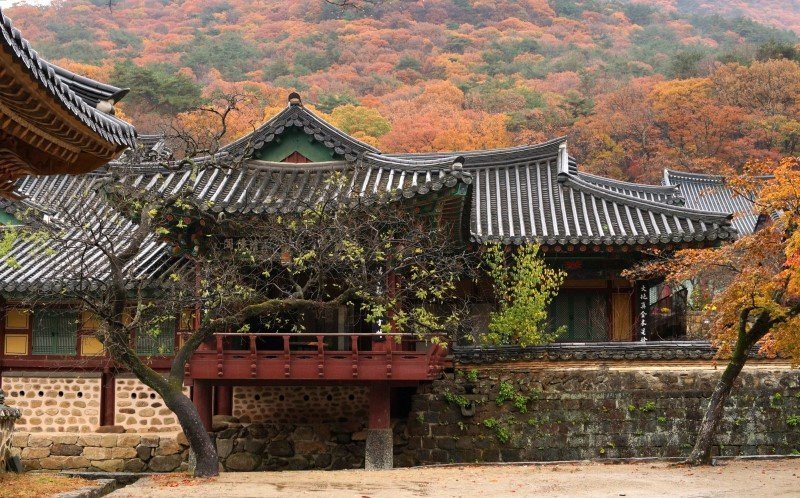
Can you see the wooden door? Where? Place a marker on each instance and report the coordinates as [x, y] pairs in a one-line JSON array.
[[621, 317]]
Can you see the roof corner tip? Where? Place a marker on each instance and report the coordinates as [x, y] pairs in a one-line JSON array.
[[457, 164], [295, 100]]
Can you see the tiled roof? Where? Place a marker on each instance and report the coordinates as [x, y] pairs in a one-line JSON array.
[[601, 351], [76, 94], [658, 193], [537, 193], [269, 187], [257, 187], [55, 264], [711, 193]]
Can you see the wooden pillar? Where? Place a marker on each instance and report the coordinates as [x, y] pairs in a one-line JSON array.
[[107, 398], [379, 405], [223, 400], [379, 445], [201, 397]]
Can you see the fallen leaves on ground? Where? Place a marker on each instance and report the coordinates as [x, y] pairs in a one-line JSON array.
[[38, 485]]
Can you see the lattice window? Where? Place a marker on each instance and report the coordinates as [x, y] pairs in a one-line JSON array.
[[55, 332], [584, 315], [156, 337]]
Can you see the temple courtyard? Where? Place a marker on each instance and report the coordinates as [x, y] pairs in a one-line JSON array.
[[774, 478]]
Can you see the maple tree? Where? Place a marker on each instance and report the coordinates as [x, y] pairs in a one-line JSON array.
[[759, 278]]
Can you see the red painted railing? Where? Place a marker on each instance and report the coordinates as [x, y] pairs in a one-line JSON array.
[[270, 356]]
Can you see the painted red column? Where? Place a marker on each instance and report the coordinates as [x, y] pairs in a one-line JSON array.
[[379, 405], [379, 448], [223, 400], [107, 398], [201, 397]]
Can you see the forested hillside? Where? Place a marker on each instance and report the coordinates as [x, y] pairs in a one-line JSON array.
[[637, 86]]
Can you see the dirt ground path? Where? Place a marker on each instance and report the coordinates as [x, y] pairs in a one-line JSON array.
[[751, 478]]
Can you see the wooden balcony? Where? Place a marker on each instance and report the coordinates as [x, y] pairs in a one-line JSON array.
[[315, 357]]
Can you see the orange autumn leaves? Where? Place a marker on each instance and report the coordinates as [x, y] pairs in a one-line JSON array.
[[757, 273], [433, 119]]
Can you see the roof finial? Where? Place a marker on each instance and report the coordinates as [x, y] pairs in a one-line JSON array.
[[294, 99]]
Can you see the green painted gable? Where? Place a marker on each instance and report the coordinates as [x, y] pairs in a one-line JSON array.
[[294, 140]]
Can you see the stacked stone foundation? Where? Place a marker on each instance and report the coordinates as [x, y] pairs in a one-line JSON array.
[[101, 452], [513, 412], [500, 412]]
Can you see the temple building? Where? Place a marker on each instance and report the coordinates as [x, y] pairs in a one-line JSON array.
[[52, 121], [590, 226]]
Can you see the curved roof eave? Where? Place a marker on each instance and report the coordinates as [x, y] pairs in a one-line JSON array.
[[57, 83]]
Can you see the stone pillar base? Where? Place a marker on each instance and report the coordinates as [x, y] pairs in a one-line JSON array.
[[379, 451]]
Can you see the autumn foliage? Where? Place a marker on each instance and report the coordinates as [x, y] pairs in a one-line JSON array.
[[637, 86]]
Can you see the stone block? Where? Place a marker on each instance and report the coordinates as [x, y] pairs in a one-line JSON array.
[[168, 447], [65, 439], [134, 465], [224, 447], [166, 463], [64, 462], [181, 439], [33, 452], [19, 440], [144, 452], [96, 453], [89, 439], [128, 440], [66, 449], [151, 441], [242, 462], [280, 449], [123, 452], [309, 447], [111, 465], [255, 446], [40, 440], [29, 465], [108, 440], [323, 461]]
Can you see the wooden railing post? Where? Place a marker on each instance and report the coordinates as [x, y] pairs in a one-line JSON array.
[[321, 356], [354, 351], [253, 356], [287, 358], [220, 356]]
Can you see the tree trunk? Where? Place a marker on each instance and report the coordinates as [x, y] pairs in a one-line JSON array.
[[701, 453], [199, 440]]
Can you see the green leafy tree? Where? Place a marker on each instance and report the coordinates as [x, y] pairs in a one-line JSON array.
[[360, 121], [229, 53], [157, 86], [524, 286]]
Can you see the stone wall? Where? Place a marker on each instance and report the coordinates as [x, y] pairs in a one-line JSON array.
[[101, 452], [300, 405], [62, 403], [265, 446], [138, 408], [514, 412]]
